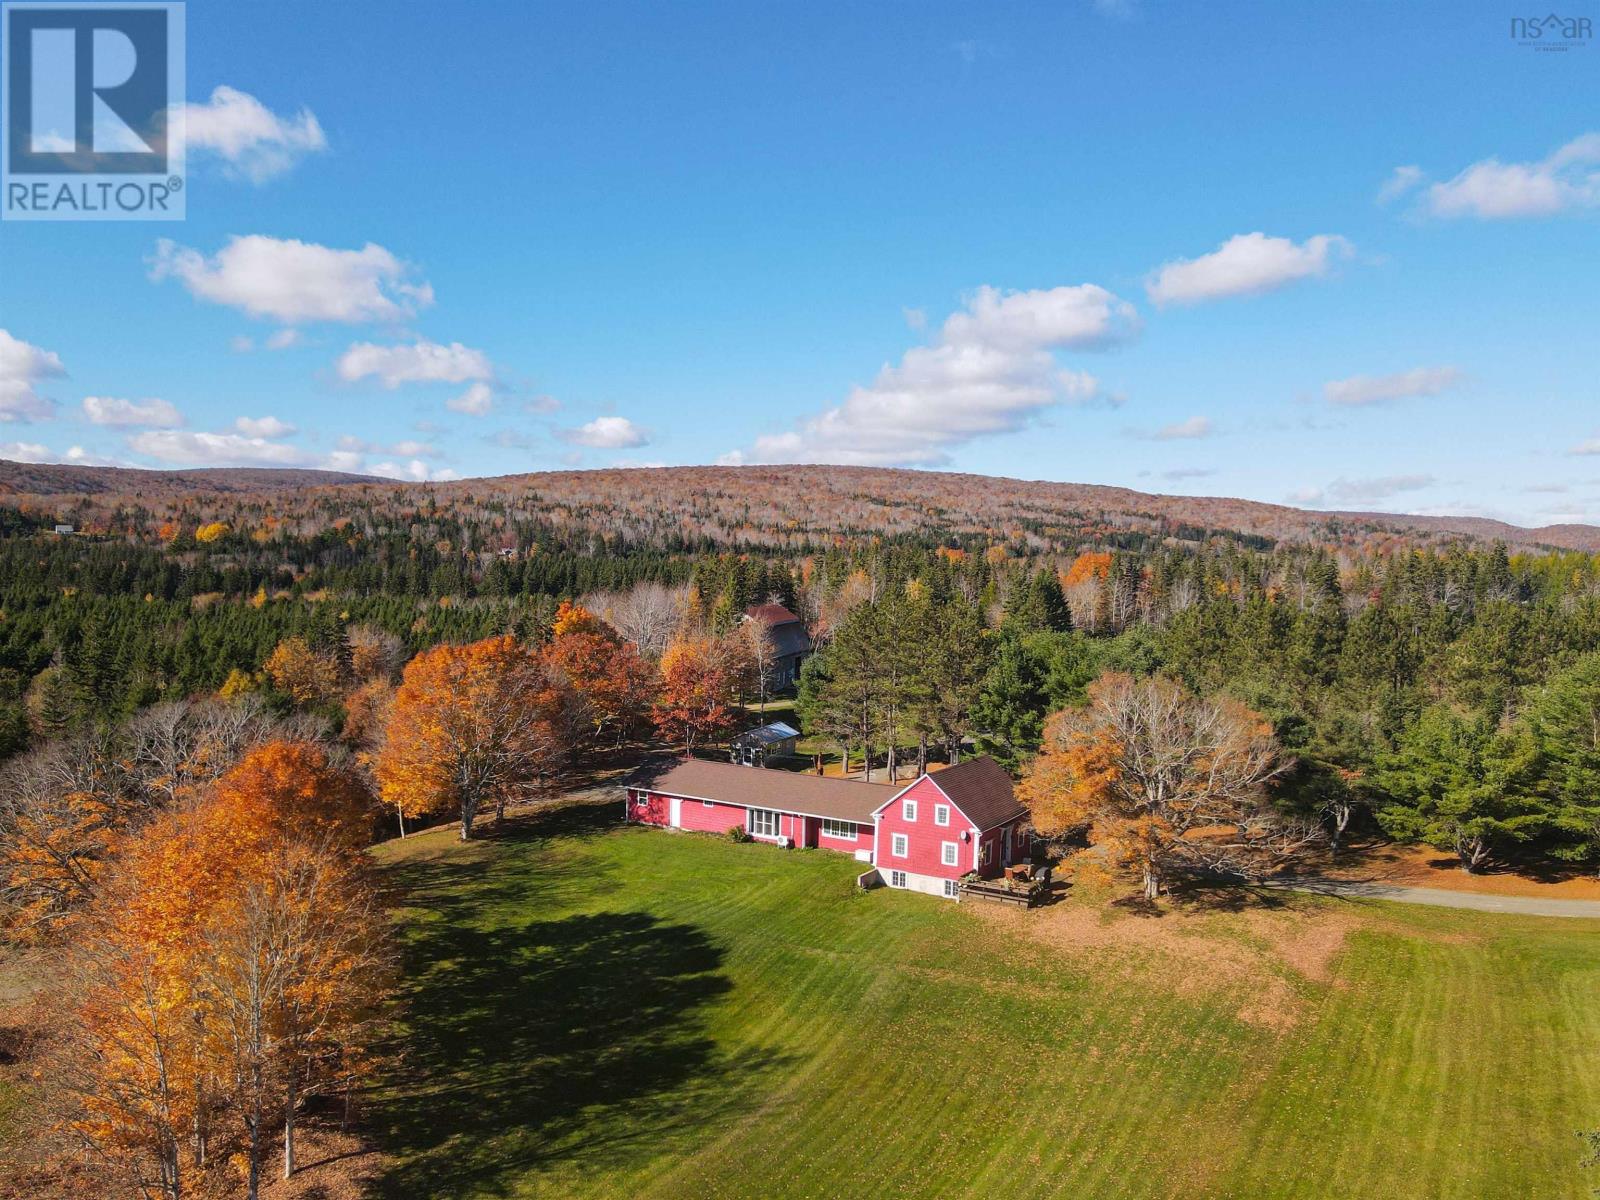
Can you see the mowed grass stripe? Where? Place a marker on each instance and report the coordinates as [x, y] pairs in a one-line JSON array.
[[626, 1013]]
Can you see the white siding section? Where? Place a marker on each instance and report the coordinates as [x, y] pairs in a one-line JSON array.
[[930, 885]]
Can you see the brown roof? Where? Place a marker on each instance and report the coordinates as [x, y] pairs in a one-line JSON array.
[[771, 614], [981, 789], [760, 787]]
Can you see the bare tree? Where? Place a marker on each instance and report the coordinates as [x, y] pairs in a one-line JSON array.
[[647, 615], [1165, 781]]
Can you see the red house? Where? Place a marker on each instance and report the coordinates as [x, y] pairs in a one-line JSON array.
[[923, 837], [773, 806], [960, 819]]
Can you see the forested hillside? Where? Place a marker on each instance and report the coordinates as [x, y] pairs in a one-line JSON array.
[[792, 508]]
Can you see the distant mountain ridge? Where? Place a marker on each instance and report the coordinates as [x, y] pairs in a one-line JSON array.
[[47, 479], [841, 499]]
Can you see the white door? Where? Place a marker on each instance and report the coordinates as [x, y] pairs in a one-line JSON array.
[[676, 821]]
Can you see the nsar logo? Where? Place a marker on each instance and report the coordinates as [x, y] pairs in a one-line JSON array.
[[1552, 32]]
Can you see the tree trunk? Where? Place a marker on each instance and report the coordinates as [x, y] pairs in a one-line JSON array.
[[499, 808], [1341, 819], [922, 754], [253, 1180], [288, 1129], [469, 810], [1152, 882]]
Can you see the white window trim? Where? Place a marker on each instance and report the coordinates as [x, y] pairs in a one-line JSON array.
[[750, 822], [899, 846], [985, 851], [952, 888], [908, 810], [941, 814], [949, 854], [892, 882], [855, 830], [709, 803]]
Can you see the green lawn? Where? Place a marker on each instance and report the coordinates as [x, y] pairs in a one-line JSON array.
[[598, 1011]]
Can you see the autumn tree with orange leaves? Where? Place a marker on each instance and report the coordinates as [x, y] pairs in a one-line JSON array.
[[613, 684], [486, 723], [230, 968], [699, 677], [1164, 781]]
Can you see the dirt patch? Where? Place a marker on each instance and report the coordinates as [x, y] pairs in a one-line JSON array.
[[1307, 943], [1261, 958], [335, 1165]]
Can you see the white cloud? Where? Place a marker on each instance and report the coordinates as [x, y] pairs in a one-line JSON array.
[[152, 413], [187, 449], [416, 471], [78, 456], [26, 452], [476, 401], [263, 427], [416, 362], [293, 281], [1083, 317], [1400, 181], [1490, 190], [1361, 491], [256, 143], [1244, 265], [1360, 391], [1592, 446], [990, 370], [1193, 427], [22, 367], [406, 449], [284, 339], [607, 433]]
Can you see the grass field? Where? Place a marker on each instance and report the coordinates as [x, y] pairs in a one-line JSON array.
[[598, 1011]]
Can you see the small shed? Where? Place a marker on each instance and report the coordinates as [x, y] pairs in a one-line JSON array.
[[753, 747]]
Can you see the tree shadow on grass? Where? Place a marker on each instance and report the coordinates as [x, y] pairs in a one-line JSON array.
[[578, 1042]]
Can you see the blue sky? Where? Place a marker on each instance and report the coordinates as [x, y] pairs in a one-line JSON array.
[[1320, 254]]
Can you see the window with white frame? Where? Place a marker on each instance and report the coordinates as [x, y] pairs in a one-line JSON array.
[[985, 852], [952, 887], [908, 809], [900, 845], [897, 879], [709, 803], [839, 829], [941, 814], [949, 853], [763, 823]]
